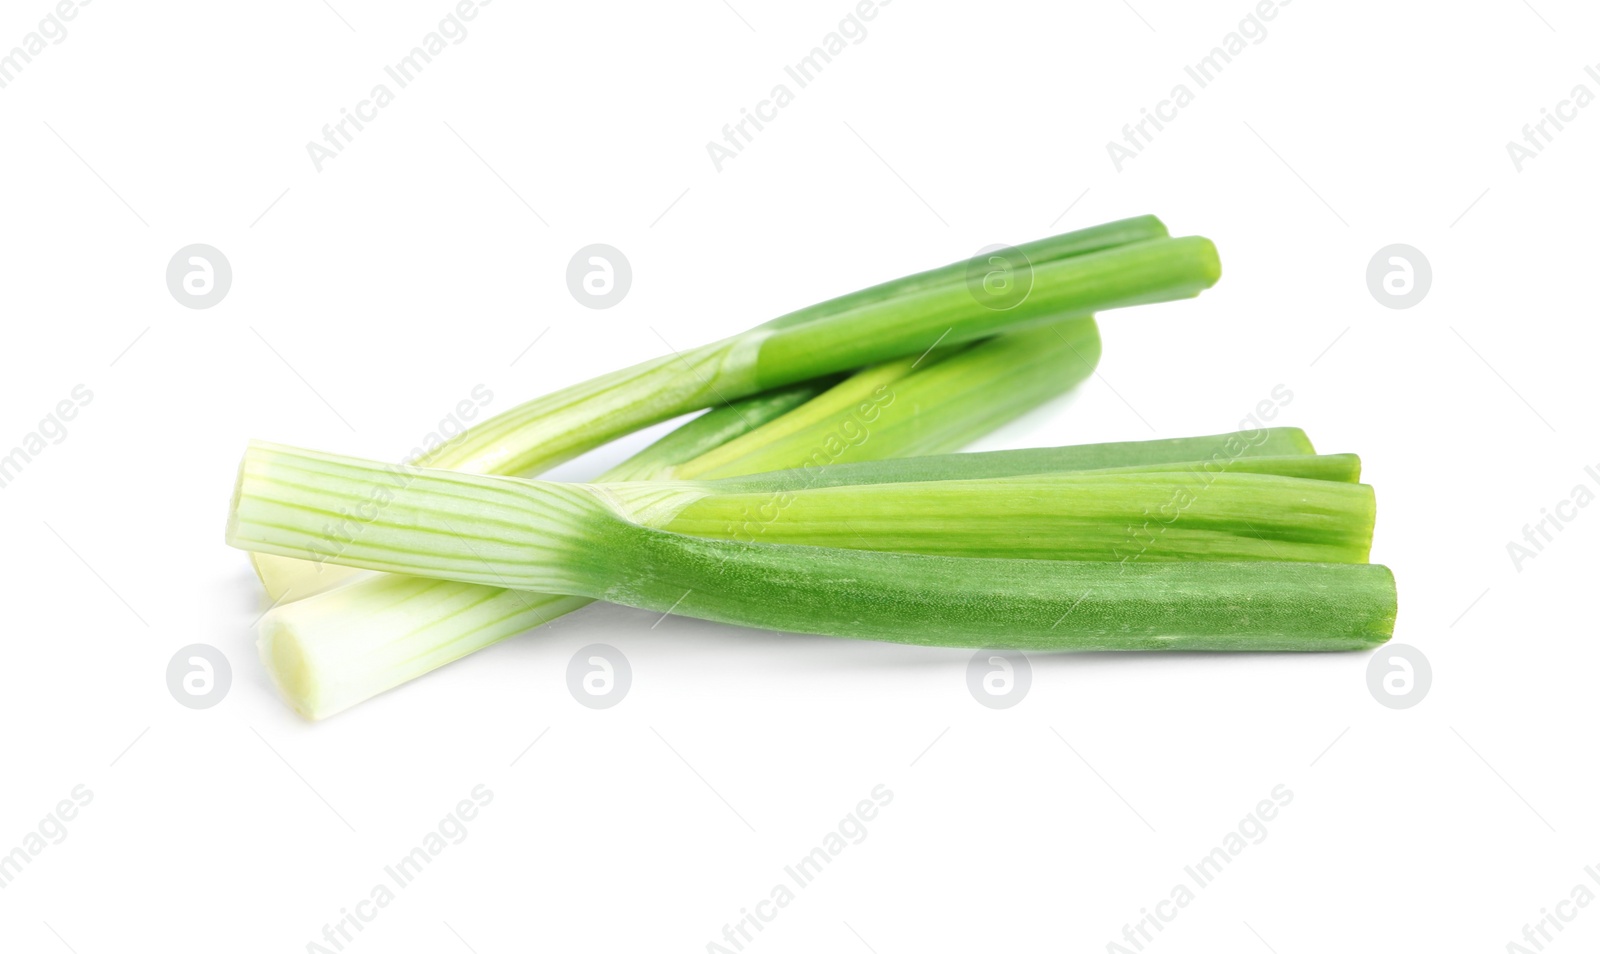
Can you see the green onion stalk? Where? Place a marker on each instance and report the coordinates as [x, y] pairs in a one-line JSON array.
[[1110, 266], [1214, 578], [320, 662]]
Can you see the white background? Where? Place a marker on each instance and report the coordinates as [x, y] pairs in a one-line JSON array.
[[370, 297]]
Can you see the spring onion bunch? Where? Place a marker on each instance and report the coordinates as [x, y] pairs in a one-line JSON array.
[[802, 500]]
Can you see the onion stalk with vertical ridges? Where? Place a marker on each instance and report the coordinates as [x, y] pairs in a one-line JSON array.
[[603, 543]]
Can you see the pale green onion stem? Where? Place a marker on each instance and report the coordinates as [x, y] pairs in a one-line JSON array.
[[286, 582]]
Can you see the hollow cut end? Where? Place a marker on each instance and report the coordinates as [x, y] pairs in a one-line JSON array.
[[230, 533], [288, 665]]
